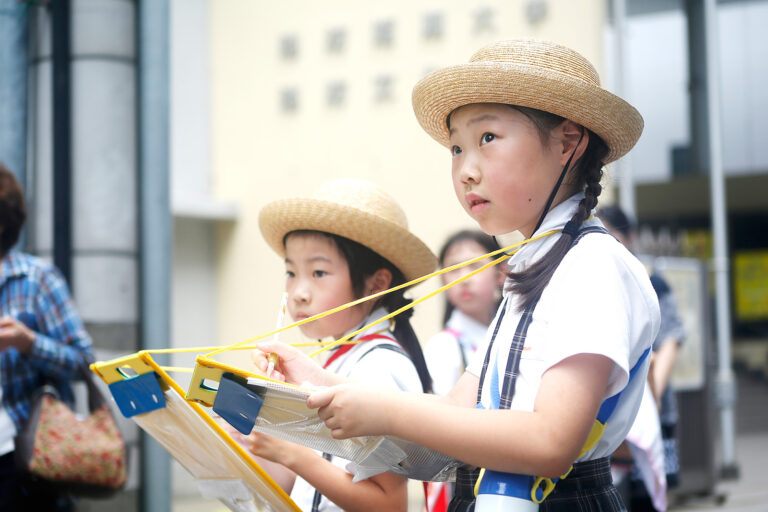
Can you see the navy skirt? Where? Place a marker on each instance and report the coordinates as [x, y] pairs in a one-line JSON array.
[[588, 487]]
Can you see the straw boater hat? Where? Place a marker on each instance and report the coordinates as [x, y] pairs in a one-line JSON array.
[[355, 209], [529, 73]]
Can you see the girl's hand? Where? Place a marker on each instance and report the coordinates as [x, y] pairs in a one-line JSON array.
[[279, 473], [277, 450], [292, 366], [351, 410], [267, 447]]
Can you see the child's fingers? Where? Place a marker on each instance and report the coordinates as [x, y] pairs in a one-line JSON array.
[[338, 433], [277, 347], [259, 358], [320, 398]]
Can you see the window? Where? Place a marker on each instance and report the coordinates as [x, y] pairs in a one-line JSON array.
[[535, 11], [383, 33], [433, 26], [289, 99], [289, 47], [383, 88], [336, 93], [483, 20], [336, 40]]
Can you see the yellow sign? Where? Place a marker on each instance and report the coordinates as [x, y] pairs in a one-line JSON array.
[[750, 278]]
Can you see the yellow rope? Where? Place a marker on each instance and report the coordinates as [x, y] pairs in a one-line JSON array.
[[241, 345], [408, 306]]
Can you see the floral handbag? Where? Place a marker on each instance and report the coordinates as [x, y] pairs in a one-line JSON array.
[[82, 457]]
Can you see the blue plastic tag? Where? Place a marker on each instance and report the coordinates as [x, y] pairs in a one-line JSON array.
[[137, 395], [238, 405], [506, 484]]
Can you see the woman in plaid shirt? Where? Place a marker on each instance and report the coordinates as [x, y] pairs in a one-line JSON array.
[[42, 341]]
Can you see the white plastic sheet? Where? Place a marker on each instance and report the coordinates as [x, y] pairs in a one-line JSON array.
[[285, 415]]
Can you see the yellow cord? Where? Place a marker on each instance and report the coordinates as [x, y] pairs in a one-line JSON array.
[[243, 345], [408, 306], [505, 250]]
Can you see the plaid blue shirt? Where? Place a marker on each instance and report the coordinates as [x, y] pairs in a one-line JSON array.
[[35, 293]]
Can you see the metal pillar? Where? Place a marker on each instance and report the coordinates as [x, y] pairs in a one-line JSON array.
[[155, 219], [627, 199], [62, 140], [726, 387]]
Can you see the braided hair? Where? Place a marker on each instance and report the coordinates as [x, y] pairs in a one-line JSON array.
[[585, 175], [364, 262]]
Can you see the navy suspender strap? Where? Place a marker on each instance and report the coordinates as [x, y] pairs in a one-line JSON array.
[[394, 347], [487, 358]]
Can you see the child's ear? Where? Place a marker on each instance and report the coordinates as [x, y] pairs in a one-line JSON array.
[[378, 282], [573, 136]]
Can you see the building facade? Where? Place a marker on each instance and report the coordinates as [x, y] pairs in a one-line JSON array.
[[306, 92]]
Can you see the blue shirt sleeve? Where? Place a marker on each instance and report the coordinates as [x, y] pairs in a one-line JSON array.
[[62, 344]]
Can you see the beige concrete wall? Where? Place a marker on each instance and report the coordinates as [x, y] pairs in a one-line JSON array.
[[260, 153]]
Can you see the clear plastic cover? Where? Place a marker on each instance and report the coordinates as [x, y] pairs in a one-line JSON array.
[[235, 494], [221, 471], [285, 415]]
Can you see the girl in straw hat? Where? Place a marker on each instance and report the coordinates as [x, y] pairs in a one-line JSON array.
[[347, 241], [559, 378]]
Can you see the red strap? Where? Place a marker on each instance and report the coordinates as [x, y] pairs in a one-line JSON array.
[[436, 496], [346, 348]]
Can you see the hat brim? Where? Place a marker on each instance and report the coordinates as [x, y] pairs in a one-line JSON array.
[[398, 245], [441, 92]]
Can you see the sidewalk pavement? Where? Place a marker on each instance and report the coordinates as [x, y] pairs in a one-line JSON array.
[[747, 494]]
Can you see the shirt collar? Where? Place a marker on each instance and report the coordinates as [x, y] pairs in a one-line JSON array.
[[376, 314], [470, 329], [13, 265], [555, 219]]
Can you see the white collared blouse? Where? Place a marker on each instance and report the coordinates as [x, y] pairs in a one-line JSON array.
[[599, 301]]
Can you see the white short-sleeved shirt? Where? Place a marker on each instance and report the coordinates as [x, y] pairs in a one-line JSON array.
[[443, 352], [599, 301], [378, 367]]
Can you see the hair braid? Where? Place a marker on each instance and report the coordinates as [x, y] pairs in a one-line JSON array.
[[530, 283], [591, 172]]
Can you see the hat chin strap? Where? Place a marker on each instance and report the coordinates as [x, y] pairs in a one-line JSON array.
[[557, 185]]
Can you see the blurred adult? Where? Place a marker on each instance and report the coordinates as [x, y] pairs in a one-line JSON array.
[[42, 341], [665, 351], [469, 308]]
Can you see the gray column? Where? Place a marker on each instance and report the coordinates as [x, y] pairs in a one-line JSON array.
[[13, 87], [104, 205], [156, 227], [726, 384]]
